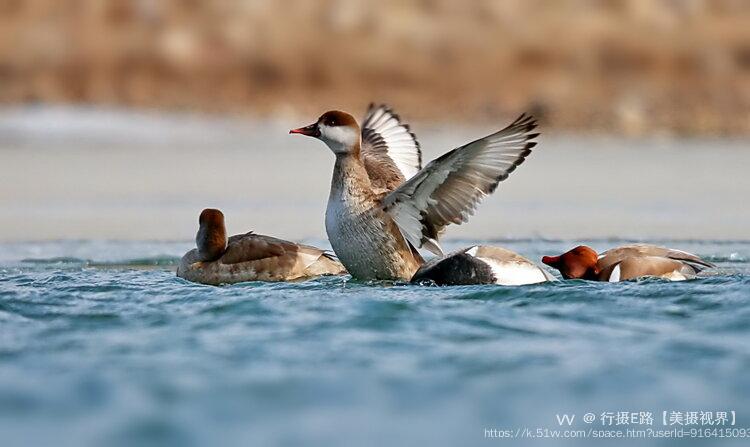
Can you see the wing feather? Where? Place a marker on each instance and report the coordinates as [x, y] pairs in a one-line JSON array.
[[390, 150], [253, 247], [449, 188]]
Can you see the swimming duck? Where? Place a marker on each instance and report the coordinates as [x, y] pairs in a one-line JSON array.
[[249, 257], [481, 264], [376, 229], [627, 262]]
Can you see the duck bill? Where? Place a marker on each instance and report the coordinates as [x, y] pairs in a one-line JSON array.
[[311, 131], [552, 261]]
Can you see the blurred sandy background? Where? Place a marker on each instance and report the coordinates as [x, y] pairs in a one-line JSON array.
[[639, 66], [124, 118]]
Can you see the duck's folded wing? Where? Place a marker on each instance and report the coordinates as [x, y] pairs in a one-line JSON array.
[[390, 151], [449, 188], [689, 258], [309, 254], [617, 254], [253, 247]]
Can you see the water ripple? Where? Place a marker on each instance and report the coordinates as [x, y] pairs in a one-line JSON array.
[[150, 357]]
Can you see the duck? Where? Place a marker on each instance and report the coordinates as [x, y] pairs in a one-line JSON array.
[[249, 257], [481, 264], [376, 227], [627, 262]]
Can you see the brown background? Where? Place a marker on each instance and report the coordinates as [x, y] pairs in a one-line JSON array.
[[632, 67]]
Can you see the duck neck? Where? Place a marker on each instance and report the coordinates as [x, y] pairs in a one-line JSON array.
[[592, 274], [211, 242], [349, 175]]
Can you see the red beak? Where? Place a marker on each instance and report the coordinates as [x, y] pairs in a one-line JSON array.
[[551, 261], [311, 131]]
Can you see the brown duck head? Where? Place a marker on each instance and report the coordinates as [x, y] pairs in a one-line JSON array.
[[578, 263]]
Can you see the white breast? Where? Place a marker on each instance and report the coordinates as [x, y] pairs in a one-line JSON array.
[[361, 242]]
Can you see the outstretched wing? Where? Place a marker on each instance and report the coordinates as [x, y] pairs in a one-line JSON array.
[[449, 188], [390, 151]]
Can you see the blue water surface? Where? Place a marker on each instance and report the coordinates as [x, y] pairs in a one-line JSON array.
[[100, 344]]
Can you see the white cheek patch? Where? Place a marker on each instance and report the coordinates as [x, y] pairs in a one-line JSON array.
[[339, 138]]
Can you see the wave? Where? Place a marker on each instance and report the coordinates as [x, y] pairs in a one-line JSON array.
[[154, 261]]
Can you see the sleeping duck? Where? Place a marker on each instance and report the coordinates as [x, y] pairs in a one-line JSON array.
[[249, 256], [481, 264], [627, 262]]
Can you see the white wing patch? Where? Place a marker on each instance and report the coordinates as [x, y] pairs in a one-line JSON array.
[[382, 130], [615, 275]]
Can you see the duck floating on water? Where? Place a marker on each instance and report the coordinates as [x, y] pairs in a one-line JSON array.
[[249, 257], [481, 264], [627, 262], [382, 206]]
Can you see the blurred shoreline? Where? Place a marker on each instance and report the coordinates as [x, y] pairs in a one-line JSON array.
[[90, 173], [622, 67]]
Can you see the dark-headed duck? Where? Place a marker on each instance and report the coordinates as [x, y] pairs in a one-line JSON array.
[[481, 264], [627, 262], [249, 257], [375, 227]]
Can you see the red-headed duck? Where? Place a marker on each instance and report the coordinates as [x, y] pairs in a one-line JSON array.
[[249, 257], [376, 228], [627, 262], [481, 264]]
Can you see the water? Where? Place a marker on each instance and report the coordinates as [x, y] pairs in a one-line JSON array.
[[100, 344]]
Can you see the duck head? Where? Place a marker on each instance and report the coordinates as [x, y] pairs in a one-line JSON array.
[[211, 217], [578, 263], [338, 130], [212, 235]]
